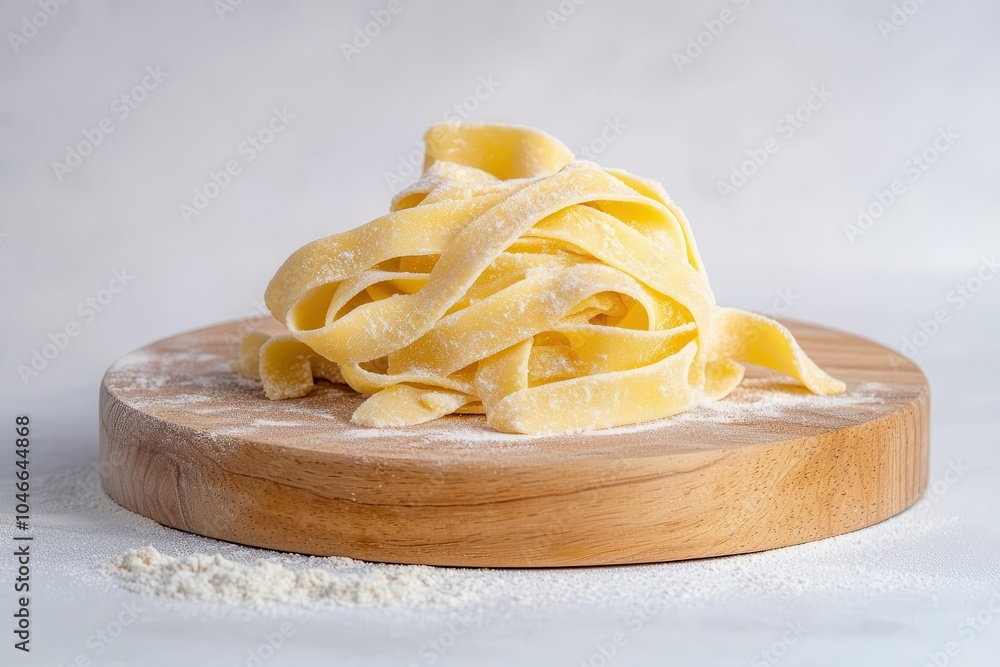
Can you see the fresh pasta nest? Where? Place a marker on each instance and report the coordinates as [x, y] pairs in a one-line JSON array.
[[512, 280]]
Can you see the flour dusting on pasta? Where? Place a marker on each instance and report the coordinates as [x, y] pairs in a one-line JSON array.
[[515, 281]]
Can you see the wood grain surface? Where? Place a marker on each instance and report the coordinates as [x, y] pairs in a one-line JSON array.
[[191, 444]]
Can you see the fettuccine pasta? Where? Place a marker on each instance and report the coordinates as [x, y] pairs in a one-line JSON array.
[[515, 281]]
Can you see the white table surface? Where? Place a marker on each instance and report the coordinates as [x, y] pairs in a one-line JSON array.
[[326, 172]]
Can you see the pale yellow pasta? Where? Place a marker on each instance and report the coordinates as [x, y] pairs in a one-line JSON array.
[[513, 280]]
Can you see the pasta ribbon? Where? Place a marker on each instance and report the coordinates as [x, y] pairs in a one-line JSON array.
[[513, 280]]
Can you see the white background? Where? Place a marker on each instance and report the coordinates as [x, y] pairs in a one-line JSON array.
[[782, 233]]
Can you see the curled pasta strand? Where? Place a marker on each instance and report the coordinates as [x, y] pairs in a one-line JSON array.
[[513, 280]]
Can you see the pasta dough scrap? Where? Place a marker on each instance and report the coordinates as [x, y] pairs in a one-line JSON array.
[[515, 281]]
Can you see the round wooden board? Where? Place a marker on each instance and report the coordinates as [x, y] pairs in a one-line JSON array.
[[191, 444]]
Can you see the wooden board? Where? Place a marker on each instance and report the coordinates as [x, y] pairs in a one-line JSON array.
[[192, 445]]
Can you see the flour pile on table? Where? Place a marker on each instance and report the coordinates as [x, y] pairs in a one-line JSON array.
[[344, 582]]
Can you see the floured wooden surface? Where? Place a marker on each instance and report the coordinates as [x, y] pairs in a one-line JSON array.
[[188, 380], [188, 442]]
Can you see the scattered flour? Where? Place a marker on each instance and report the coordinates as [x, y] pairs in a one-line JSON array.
[[182, 378], [755, 400], [93, 542], [274, 422], [343, 582], [99, 543]]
